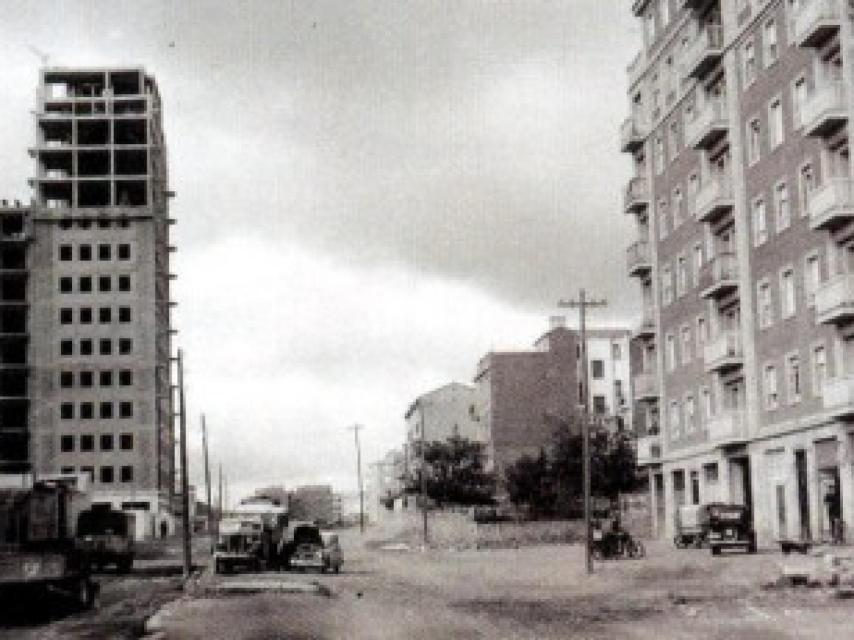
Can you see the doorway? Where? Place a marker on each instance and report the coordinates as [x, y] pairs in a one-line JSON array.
[[803, 493]]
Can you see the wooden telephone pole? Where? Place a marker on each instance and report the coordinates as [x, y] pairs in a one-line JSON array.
[[582, 304], [356, 428], [185, 482], [208, 484]]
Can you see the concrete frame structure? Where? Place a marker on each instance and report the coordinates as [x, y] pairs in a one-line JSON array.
[[742, 193], [85, 337]]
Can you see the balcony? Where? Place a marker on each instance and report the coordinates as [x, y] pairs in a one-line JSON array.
[[638, 259], [709, 125], [648, 449], [636, 68], [714, 199], [832, 204], [632, 134], [646, 385], [719, 276], [636, 197], [834, 301], [727, 427], [837, 395], [816, 21], [824, 110], [646, 328], [705, 51], [723, 352]]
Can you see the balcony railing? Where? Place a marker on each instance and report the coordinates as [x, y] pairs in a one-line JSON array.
[[713, 199], [834, 301], [723, 352], [646, 385], [638, 258], [837, 396], [705, 51], [832, 204], [632, 133], [648, 449], [727, 427], [636, 67], [719, 276], [646, 327], [815, 21], [636, 197], [710, 123], [824, 110]]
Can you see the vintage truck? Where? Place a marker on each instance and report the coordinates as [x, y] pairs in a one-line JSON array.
[[250, 537], [105, 537], [37, 552]]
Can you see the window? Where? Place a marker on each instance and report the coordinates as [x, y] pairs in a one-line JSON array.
[[105, 347], [781, 206], [787, 292], [124, 314], [106, 442], [65, 285], [678, 210], [754, 133], [765, 309], [87, 379], [86, 315], [666, 285], [84, 252], [775, 122], [671, 352], [87, 411], [126, 441], [673, 138], [66, 470], [104, 252], [105, 378], [124, 252], [125, 346], [105, 315], [65, 253], [665, 12], [760, 223], [698, 264], [66, 348], [106, 475], [104, 283], [701, 332], [597, 368], [599, 406], [127, 473], [659, 156], [85, 284], [126, 410], [769, 42], [103, 223], [90, 471], [66, 411], [86, 347], [706, 397], [125, 378], [769, 382], [66, 315], [690, 414], [748, 63], [793, 378], [807, 184], [124, 283], [65, 225], [87, 443], [819, 369], [799, 98], [812, 277], [687, 343], [675, 421], [106, 411], [681, 275], [66, 379], [663, 226], [616, 352]]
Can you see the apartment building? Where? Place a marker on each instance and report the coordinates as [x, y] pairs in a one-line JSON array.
[[742, 195], [525, 396], [85, 287]]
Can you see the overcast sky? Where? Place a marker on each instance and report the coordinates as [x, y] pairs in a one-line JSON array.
[[370, 196]]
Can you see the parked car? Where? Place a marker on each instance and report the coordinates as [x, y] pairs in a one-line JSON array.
[[692, 525], [310, 548], [730, 527], [106, 537]]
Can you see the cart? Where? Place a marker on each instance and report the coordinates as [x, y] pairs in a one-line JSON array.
[[692, 526]]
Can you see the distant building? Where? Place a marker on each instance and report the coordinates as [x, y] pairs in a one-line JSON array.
[[385, 483], [312, 502], [525, 396]]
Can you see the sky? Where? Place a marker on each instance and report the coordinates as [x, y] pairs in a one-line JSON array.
[[371, 195]]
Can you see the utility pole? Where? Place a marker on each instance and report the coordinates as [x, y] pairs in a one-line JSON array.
[[582, 304], [219, 495], [356, 428], [185, 483], [208, 483]]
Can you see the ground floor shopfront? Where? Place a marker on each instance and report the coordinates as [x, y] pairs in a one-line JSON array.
[[794, 484]]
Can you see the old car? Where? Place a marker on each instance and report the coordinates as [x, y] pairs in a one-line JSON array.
[[311, 549], [730, 527]]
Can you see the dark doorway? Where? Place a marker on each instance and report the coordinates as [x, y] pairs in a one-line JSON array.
[[803, 494]]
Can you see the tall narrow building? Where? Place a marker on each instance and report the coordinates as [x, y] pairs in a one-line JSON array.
[[98, 289], [744, 203]]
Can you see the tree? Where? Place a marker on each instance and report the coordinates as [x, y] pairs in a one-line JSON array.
[[453, 472], [530, 483]]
